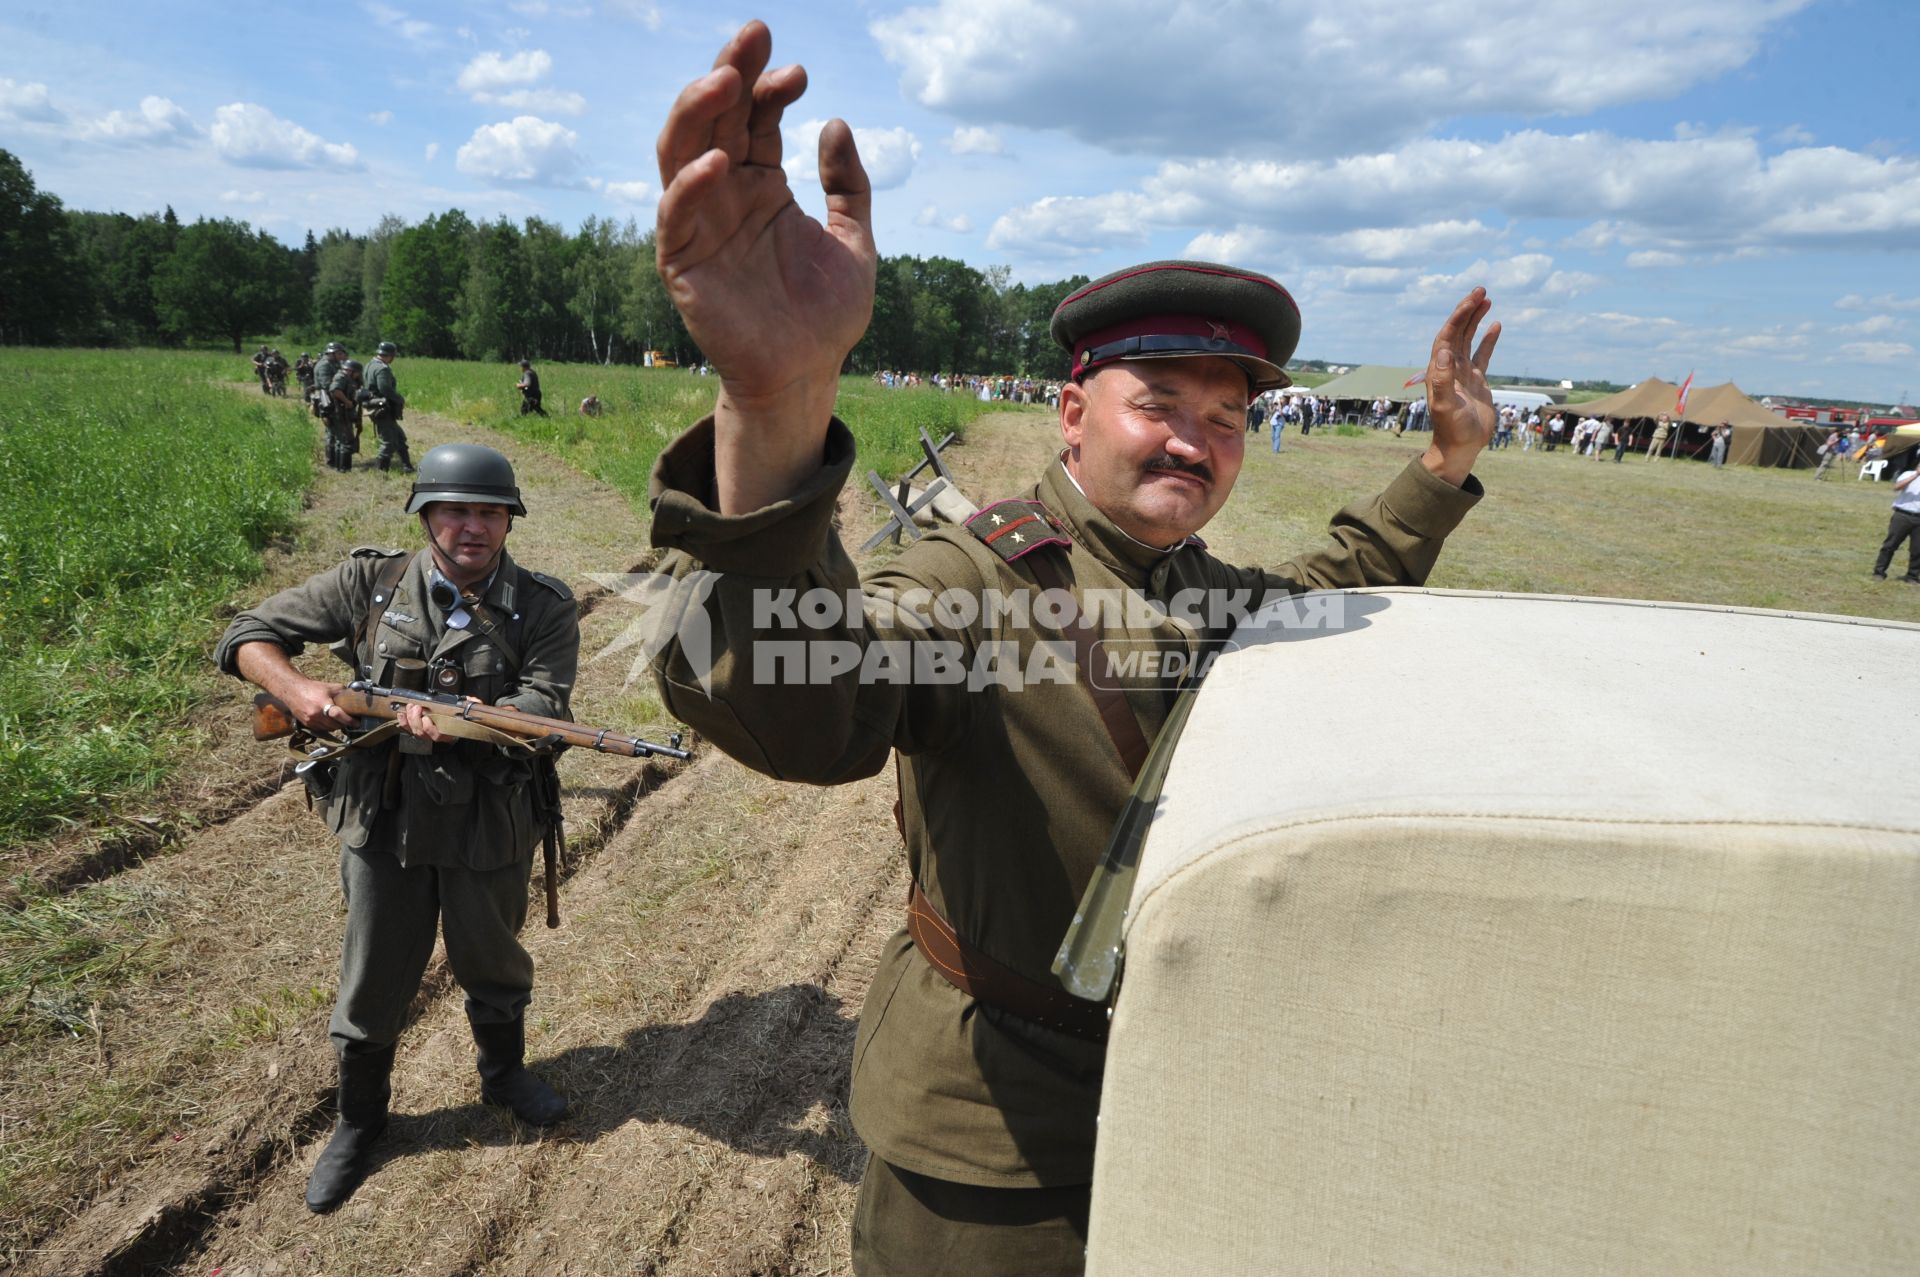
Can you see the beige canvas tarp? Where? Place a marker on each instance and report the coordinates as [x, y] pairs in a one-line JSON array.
[[1648, 398], [1371, 381], [1556, 966]]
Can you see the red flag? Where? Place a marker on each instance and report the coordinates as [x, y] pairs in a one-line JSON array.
[[1680, 407], [1414, 380]]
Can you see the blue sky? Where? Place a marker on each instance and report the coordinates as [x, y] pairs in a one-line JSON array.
[[1730, 187]]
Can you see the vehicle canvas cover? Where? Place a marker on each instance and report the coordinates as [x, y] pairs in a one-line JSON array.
[[1483, 933]]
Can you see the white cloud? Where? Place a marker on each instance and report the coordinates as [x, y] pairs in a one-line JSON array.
[[888, 154], [494, 72], [959, 223], [1869, 326], [248, 134], [1718, 193], [1654, 258], [1885, 301], [28, 103], [242, 197], [525, 150], [548, 101], [972, 140], [1241, 246], [998, 62], [642, 11], [380, 119], [635, 192], [1876, 352], [1063, 226], [1774, 345], [1404, 243], [513, 81], [433, 151], [410, 29], [158, 123], [1794, 135]]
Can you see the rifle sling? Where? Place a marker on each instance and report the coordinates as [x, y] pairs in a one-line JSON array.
[[1123, 729]]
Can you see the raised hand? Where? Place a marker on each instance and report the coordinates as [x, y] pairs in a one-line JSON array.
[[774, 298], [1459, 404]]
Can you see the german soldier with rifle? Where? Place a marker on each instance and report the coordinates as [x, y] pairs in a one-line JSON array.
[[437, 822]]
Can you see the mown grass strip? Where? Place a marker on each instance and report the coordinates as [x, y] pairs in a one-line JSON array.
[[138, 495]]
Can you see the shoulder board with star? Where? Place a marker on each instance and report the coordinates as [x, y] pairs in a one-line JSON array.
[[1013, 528]]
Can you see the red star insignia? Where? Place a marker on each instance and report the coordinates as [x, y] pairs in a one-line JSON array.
[[1220, 332]]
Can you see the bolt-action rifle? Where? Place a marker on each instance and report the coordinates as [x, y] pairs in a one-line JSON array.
[[378, 710]]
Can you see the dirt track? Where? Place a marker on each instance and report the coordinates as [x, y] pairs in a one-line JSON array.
[[697, 1007]]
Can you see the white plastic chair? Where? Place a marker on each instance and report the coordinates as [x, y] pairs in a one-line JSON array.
[[1872, 469]]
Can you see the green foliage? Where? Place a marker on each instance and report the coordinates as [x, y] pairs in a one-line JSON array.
[[224, 279], [42, 297], [138, 498], [420, 295]]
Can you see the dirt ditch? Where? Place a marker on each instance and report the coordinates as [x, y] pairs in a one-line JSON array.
[[697, 1006]]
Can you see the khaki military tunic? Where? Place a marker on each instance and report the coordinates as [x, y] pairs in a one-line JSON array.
[[1009, 792], [466, 804]]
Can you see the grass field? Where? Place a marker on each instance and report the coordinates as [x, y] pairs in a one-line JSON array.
[[644, 408], [1557, 523], [137, 495]]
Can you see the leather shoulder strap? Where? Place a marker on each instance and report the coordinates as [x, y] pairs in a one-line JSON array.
[[1123, 729], [383, 586]]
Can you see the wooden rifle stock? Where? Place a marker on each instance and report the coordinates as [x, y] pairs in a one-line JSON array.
[[467, 719]]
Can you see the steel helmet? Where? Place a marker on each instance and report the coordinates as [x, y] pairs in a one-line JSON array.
[[465, 472], [352, 365], [388, 348]]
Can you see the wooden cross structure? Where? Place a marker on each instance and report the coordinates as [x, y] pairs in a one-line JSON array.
[[900, 513]]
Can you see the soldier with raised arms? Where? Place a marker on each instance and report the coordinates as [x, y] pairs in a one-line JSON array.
[[976, 1076]]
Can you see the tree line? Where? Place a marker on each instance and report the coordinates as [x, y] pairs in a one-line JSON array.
[[449, 287]]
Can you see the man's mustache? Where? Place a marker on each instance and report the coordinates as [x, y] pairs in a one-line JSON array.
[[1196, 468]]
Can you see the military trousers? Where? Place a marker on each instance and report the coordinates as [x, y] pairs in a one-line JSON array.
[[1901, 527], [394, 914], [908, 1225], [340, 445], [393, 442]]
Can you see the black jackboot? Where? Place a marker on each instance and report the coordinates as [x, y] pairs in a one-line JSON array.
[[406, 460], [364, 1092], [504, 1079]]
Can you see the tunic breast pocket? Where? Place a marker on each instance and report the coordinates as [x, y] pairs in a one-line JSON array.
[[390, 645], [486, 673]]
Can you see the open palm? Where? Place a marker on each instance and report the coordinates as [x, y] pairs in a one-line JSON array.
[[771, 296]]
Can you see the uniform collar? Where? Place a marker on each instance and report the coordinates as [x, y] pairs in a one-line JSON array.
[[1131, 557]]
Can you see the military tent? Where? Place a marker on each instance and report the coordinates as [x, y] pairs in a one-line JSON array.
[[1647, 399], [1761, 437]]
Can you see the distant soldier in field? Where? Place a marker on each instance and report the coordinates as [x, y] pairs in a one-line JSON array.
[[303, 370], [590, 406], [529, 390], [276, 372], [343, 416], [385, 403], [260, 370]]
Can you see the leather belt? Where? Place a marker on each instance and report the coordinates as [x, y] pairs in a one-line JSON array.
[[995, 984]]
